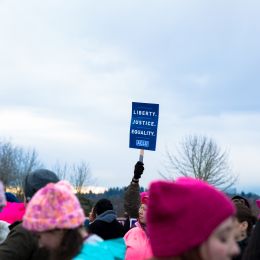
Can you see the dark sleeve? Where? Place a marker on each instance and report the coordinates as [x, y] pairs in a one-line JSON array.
[[132, 200], [19, 245]]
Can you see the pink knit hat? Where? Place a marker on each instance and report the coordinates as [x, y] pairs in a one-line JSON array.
[[53, 206], [182, 214], [144, 197], [258, 205]]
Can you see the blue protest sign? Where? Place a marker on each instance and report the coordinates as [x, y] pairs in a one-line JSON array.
[[144, 124]]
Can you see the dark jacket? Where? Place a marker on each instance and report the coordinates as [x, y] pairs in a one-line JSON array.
[[132, 203], [132, 200], [242, 245], [106, 226], [20, 244]]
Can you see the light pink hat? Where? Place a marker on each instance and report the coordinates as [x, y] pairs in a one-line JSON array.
[[55, 206], [191, 212]]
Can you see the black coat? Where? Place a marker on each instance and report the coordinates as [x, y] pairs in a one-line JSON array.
[[107, 230], [242, 245], [20, 244]]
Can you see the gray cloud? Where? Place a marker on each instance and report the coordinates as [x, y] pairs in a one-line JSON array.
[[75, 67]]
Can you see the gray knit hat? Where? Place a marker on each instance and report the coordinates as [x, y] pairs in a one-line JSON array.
[[37, 180]]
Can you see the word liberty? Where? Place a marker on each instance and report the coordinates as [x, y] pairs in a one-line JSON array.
[[144, 113]]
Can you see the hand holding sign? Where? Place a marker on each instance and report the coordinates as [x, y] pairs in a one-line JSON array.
[[139, 169]]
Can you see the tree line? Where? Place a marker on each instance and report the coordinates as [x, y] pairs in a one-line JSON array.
[[197, 156], [16, 162]]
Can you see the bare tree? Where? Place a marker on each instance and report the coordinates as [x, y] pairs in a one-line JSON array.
[[15, 163], [25, 162], [81, 176], [61, 170], [200, 157], [7, 162]]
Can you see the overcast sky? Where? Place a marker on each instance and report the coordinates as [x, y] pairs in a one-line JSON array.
[[69, 71]]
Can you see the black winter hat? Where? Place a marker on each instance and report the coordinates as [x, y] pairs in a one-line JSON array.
[[103, 205], [37, 180]]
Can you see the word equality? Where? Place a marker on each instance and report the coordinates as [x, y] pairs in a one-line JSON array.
[[142, 132], [143, 113]]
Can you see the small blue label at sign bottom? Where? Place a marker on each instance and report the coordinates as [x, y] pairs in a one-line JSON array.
[[142, 143]]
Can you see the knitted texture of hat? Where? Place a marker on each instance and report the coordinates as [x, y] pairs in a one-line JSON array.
[[182, 214], [53, 207], [2, 195], [258, 203], [144, 197]]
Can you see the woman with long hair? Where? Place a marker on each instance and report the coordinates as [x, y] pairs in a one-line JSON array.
[[55, 216]]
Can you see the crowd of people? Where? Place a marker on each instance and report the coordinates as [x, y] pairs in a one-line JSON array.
[[185, 219]]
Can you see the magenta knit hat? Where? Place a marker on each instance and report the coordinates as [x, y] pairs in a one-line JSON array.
[[258, 205], [53, 207], [144, 197], [182, 214]]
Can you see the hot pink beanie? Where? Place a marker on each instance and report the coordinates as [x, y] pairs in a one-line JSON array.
[[182, 214], [258, 205], [144, 197], [53, 206]]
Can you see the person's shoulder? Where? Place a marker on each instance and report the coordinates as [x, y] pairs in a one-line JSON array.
[[19, 244], [18, 227], [20, 232], [104, 250], [133, 231], [130, 231], [93, 251], [115, 221], [93, 239], [97, 224]]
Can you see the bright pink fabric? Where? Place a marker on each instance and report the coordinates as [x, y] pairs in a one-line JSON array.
[[144, 197], [192, 210], [137, 244], [258, 205], [13, 211]]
